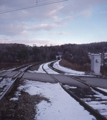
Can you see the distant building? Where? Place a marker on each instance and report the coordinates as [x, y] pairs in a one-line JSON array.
[[59, 56]]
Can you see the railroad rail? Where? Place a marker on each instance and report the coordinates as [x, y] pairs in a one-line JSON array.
[[7, 83], [92, 99]]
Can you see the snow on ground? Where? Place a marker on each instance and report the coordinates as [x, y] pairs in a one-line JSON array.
[[8, 70], [5, 85], [67, 71], [105, 90], [68, 87], [2, 71], [5, 82], [99, 95], [50, 71], [101, 106], [11, 69], [40, 70], [61, 105], [14, 99], [57, 66]]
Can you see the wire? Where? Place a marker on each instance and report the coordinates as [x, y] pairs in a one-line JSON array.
[[28, 7]]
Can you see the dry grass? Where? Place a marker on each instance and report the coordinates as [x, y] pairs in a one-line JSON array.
[[22, 109], [74, 66], [5, 66], [104, 70]]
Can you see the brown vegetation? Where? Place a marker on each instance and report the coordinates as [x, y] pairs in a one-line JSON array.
[[75, 66], [104, 70], [20, 53], [8, 65]]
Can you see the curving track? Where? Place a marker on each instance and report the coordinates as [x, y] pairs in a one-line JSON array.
[[91, 98], [88, 96]]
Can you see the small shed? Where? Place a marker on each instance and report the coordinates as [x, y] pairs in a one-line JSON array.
[[95, 64]]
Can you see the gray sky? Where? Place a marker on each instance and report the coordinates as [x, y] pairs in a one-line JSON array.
[[72, 21]]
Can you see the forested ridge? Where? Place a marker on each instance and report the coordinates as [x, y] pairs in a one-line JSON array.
[[13, 53]]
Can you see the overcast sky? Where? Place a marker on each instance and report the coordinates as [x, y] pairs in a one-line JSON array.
[[72, 21]]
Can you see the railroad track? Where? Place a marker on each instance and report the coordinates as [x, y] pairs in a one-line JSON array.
[[7, 83], [91, 98]]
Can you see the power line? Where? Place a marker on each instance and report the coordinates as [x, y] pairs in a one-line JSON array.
[[28, 7]]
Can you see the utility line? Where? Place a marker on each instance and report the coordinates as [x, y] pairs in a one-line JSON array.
[[31, 7]]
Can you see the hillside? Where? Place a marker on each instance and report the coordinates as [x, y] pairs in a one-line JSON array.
[[20, 53]]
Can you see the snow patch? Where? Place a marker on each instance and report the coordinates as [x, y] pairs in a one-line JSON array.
[[101, 106], [68, 87], [67, 71], [5, 82], [103, 89], [40, 70], [61, 106], [13, 99], [50, 71]]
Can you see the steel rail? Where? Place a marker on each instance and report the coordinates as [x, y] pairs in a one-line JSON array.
[[14, 78], [86, 106], [77, 79]]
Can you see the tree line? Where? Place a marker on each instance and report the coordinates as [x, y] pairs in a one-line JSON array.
[[20, 53]]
